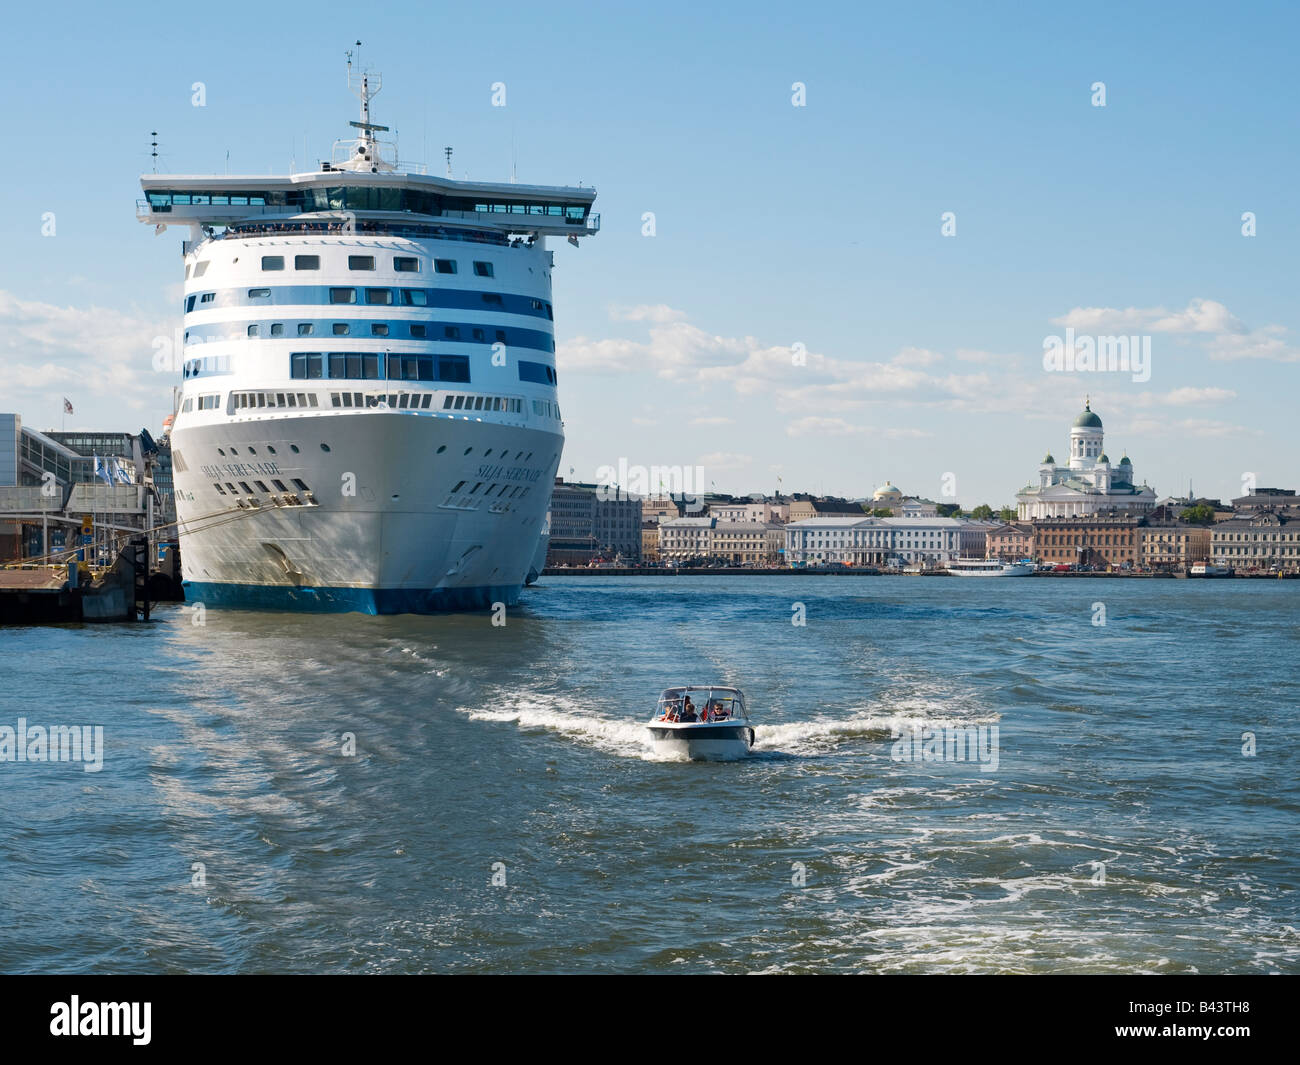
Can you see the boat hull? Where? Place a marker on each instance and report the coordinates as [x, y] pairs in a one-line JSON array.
[[705, 741], [388, 532]]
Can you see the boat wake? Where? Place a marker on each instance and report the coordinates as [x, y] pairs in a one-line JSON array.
[[626, 736]]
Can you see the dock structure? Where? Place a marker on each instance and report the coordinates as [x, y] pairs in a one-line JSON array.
[[80, 537]]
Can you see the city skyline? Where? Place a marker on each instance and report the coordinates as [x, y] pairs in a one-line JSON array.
[[798, 311]]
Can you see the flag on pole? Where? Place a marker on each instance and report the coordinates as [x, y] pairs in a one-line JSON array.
[[101, 470], [119, 474], [67, 405]]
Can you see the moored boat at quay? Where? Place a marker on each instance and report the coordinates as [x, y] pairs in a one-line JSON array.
[[368, 416]]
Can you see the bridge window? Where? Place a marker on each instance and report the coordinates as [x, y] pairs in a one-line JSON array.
[[258, 293], [361, 262], [201, 268], [482, 269], [379, 296], [189, 302], [379, 329], [272, 262], [451, 332], [252, 330], [406, 264], [418, 331], [341, 329], [305, 329], [306, 262], [343, 295], [277, 329], [444, 266]]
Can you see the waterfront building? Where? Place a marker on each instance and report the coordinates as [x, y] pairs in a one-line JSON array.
[[1107, 541], [1278, 500], [747, 543], [805, 507], [590, 521], [681, 539], [1257, 540], [649, 541], [1010, 542], [1173, 545], [1087, 483], [760, 511], [868, 541]]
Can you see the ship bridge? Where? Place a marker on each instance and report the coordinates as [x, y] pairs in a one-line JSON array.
[[219, 201]]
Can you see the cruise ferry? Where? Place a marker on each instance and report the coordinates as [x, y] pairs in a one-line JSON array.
[[368, 417], [989, 567]]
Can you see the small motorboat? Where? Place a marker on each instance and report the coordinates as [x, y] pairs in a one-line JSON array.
[[702, 722]]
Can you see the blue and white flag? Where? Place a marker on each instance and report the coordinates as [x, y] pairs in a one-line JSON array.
[[119, 474], [101, 471]]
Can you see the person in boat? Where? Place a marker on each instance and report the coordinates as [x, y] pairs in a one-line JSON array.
[[688, 710]]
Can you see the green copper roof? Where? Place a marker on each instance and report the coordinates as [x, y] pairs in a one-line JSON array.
[[1048, 458]]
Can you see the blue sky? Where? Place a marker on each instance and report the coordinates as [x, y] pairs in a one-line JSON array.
[[775, 225]]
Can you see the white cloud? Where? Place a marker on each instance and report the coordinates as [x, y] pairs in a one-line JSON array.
[[1181, 397], [74, 351], [646, 312], [1199, 316], [816, 425]]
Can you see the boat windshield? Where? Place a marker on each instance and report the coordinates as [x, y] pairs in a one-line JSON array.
[[700, 703]]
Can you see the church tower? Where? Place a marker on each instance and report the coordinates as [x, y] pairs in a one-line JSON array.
[[1085, 439]]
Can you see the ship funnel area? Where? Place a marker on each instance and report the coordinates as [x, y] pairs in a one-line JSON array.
[[364, 153]]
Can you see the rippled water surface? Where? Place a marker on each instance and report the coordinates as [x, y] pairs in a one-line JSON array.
[[1123, 828]]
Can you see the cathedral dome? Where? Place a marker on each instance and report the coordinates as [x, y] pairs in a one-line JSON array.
[[1087, 420], [1048, 460], [1103, 459], [887, 491], [1125, 461]]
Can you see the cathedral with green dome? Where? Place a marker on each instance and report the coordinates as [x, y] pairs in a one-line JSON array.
[[1088, 483]]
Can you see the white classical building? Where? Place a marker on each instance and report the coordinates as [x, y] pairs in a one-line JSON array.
[[1088, 484], [881, 541]]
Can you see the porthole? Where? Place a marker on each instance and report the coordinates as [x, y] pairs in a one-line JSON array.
[[487, 453], [270, 449], [325, 447], [252, 451], [468, 450], [234, 451], [221, 452], [441, 449], [293, 448]]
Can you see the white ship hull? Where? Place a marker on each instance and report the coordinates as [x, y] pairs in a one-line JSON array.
[[387, 533]]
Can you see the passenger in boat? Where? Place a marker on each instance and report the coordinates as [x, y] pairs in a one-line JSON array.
[[688, 710]]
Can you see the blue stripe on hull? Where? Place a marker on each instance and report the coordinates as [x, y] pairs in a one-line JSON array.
[[350, 600]]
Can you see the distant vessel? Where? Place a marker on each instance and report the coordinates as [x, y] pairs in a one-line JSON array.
[[702, 722], [989, 567], [368, 416], [1209, 569]]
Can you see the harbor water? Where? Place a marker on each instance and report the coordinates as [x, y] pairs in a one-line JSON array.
[[343, 793]]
